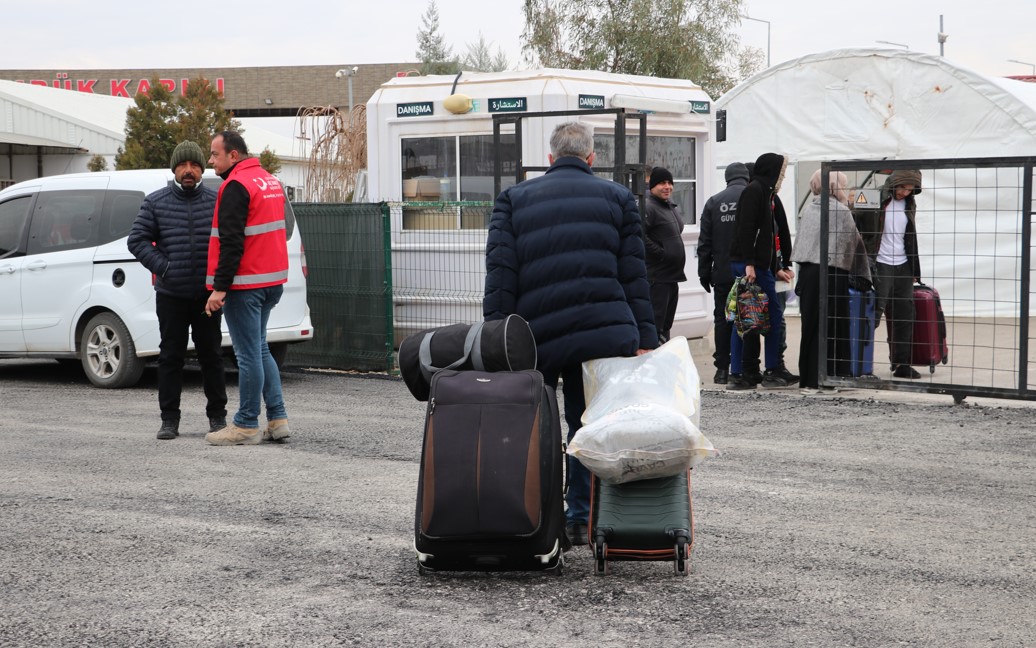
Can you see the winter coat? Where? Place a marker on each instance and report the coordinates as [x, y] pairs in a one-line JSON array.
[[873, 238], [565, 252], [170, 237], [845, 248], [717, 229], [757, 221], [663, 241]]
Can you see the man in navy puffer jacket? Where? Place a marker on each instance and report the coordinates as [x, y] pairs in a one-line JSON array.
[[170, 237], [565, 252]]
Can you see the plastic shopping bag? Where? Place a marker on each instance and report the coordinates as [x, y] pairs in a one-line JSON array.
[[642, 416]]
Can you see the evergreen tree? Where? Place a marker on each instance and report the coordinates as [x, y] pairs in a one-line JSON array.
[[436, 57], [481, 59], [158, 121]]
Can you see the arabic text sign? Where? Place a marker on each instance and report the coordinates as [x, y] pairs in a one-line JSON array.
[[508, 104]]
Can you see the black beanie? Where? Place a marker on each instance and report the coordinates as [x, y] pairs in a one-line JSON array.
[[187, 151], [659, 174]]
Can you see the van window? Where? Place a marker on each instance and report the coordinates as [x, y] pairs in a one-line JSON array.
[[122, 210], [66, 220], [14, 215]]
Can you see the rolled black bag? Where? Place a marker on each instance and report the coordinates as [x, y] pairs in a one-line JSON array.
[[499, 345]]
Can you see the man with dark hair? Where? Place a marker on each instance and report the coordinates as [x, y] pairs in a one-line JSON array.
[[247, 269], [565, 252], [663, 244], [170, 237]]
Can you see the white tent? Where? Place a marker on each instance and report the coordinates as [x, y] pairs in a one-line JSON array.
[[874, 104]]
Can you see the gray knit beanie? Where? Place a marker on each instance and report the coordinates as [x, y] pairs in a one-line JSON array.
[[187, 151]]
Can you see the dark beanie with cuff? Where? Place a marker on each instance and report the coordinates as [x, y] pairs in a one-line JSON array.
[[658, 175], [187, 151]]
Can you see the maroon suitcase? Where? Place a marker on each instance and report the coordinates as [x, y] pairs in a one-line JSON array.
[[929, 345]]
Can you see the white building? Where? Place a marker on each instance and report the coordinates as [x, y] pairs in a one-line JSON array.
[[48, 131], [431, 138]]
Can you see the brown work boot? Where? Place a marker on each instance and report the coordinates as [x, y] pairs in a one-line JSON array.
[[234, 435], [277, 431]]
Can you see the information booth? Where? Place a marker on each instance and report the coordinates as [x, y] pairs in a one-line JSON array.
[[431, 155]]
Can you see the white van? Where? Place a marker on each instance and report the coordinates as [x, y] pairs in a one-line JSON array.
[[71, 290]]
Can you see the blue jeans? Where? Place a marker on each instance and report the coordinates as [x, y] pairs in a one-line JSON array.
[[247, 313], [768, 283]]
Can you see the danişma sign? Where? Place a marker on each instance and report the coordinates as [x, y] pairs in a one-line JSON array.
[[591, 102], [415, 109]]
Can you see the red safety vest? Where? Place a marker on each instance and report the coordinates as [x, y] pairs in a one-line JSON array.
[[265, 258]]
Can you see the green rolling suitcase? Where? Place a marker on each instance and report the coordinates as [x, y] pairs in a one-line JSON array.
[[650, 519]]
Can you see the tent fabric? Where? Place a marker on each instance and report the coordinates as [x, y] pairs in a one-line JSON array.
[[874, 104]]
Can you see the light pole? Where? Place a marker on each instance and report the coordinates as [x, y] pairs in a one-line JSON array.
[[1032, 65], [767, 35], [906, 47], [348, 73]]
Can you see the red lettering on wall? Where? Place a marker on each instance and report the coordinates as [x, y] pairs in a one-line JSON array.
[[219, 86], [168, 84], [118, 88], [144, 86], [183, 87], [85, 86], [39, 82]]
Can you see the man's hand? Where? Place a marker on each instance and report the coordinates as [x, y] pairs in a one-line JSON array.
[[750, 273], [706, 283], [215, 302], [641, 352], [786, 274]]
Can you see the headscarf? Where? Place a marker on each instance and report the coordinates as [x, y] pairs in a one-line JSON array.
[[837, 181]]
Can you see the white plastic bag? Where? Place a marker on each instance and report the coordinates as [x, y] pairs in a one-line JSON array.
[[665, 376], [642, 416], [640, 442]]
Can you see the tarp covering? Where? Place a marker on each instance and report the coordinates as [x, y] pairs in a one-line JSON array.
[[875, 104]]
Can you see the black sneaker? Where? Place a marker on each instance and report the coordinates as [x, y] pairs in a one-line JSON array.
[[773, 379], [787, 375], [754, 377], [721, 377], [217, 423], [169, 430], [737, 382], [906, 371], [577, 533]]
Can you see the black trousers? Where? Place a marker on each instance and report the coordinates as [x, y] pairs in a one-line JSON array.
[[664, 296], [837, 338], [895, 287], [175, 317]]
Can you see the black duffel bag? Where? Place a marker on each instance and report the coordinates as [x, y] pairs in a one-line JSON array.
[[498, 345]]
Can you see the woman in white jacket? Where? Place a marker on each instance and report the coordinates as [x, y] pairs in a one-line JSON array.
[[846, 255]]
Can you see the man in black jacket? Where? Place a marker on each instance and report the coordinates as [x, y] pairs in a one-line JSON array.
[[717, 230], [761, 252], [663, 245], [170, 237]]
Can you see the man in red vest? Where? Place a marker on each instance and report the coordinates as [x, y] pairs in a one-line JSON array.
[[248, 265]]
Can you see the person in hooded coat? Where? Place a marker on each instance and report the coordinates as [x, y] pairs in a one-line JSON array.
[[761, 252]]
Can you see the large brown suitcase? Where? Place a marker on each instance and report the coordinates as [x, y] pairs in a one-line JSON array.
[[490, 492], [929, 346]]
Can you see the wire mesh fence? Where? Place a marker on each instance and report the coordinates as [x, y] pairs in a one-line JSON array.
[[965, 330]]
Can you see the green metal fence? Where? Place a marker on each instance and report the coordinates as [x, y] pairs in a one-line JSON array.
[[349, 286], [381, 271]]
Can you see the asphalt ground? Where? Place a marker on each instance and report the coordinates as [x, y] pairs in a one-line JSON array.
[[855, 519]]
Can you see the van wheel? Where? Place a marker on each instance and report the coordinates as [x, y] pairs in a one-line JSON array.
[[108, 355]]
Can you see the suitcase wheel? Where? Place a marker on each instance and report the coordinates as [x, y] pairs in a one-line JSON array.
[[601, 565], [931, 368], [680, 563]]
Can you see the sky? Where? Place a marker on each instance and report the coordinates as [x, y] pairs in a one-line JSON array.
[[71, 34]]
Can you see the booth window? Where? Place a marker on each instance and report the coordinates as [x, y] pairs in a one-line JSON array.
[[450, 169], [672, 152]]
